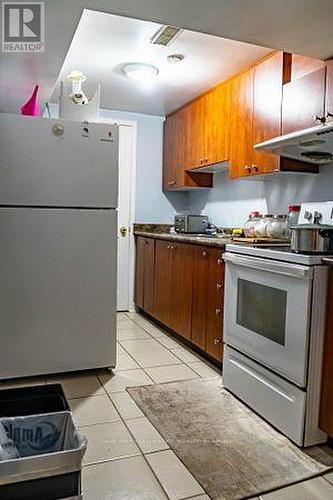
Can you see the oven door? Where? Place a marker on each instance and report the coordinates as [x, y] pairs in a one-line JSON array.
[[267, 313]]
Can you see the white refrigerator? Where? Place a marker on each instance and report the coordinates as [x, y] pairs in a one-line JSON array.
[[58, 245]]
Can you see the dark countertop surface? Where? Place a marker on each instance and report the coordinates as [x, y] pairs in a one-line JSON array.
[[186, 238]]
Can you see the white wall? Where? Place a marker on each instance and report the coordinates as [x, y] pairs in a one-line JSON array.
[[229, 202], [151, 205]]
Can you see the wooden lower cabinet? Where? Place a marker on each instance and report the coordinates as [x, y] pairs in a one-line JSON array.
[[144, 274], [181, 285], [172, 283], [162, 281], [207, 300]]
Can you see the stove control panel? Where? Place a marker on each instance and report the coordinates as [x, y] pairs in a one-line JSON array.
[[316, 213]]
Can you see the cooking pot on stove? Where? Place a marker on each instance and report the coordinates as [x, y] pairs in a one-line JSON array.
[[311, 238]]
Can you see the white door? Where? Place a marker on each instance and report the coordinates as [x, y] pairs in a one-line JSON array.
[[125, 217]]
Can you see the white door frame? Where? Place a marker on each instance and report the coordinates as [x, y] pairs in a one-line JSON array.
[[133, 124]]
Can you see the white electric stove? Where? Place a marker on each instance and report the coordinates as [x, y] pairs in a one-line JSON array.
[[274, 321]]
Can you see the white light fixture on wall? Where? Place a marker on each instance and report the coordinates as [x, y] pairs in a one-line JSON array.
[[140, 72]]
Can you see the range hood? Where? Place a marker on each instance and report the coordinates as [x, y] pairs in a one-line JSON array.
[[313, 145]]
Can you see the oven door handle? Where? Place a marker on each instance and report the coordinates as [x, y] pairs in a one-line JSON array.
[[328, 260], [285, 268]]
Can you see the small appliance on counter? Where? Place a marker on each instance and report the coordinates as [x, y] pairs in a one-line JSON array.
[[314, 231], [191, 224]]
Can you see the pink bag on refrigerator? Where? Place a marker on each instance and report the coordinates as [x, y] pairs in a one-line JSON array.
[[31, 107]]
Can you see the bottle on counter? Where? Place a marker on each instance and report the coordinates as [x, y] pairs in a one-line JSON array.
[[293, 214], [277, 228], [250, 224], [261, 226]]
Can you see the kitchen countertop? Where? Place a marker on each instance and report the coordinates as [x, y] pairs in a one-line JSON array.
[[199, 240]]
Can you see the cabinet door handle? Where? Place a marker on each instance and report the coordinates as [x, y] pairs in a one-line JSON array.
[[169, 247], [220, 262], [218, 286], [247, 168], [217, 341], [254, 168], [217, 311], [204, 253], [171, 183], [329, 115]]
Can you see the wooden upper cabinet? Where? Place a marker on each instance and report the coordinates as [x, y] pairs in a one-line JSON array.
[[303, 101], [178, 149], [174, 150], [195, 133], [217, 124], [269, 77], [241, 124], [209, 128]]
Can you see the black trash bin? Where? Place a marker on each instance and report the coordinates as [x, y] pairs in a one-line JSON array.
[[50, 448]]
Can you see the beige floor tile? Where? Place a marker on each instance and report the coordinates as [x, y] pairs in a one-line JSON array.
[[173, 475], [134, 333], [119, 380], [171, 373], [314, 489], [125, 362], [121, 316], [108, 442], [78, 386], [168, 342], [204, 370], [146, 436], [329, 477], [126, 405], [120, 350], [93, 410], [133, 315], [124, 323], [126, 479], [149, 353], [22, 382], [203, 497], [185, 355], [149, 327]]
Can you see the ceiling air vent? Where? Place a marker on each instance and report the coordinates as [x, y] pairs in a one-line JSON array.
[[165, 35]]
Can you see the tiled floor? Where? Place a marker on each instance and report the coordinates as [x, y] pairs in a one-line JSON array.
[[127, 458]]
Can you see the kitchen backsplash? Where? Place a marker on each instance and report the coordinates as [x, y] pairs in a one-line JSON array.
[[228, 203]]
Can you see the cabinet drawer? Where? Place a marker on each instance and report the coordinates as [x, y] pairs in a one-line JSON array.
[[278, 401]]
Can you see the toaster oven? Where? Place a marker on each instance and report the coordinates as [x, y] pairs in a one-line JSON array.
[[189, 223]]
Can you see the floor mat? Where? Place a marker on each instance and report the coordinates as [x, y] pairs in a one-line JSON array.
[[231, 451]]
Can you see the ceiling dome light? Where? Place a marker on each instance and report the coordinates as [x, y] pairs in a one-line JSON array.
[[140, 72], [175, 58]]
